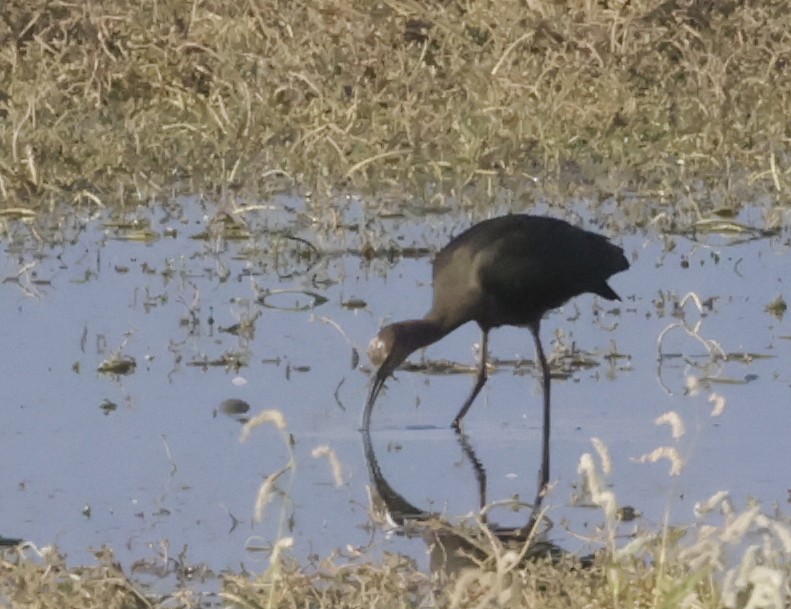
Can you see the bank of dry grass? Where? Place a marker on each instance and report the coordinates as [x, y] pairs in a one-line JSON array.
[[102, 101], [708, 566]]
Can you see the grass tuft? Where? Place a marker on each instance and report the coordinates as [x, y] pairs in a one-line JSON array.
[[107, 102]]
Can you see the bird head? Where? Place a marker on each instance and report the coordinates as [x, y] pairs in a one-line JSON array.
[[393, 344], [387, 350]]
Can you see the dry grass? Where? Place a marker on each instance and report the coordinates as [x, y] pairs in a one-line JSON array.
[[105, 101], [676, 568], [43, 581]]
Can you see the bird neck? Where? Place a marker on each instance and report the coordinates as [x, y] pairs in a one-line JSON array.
[[436, 325], [433, 330], [427, 331]]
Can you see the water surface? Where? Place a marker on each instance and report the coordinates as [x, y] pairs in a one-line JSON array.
[[149, 464]]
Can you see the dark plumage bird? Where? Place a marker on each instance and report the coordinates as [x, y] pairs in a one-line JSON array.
[[504, 271]]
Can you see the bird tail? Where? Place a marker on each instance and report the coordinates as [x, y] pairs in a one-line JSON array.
[[615, 262], [605, 291]]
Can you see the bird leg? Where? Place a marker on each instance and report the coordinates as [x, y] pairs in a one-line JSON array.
[[479, 383], [543, 477]]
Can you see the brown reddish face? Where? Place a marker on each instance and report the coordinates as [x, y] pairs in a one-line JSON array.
[[392, 346], [387, 350], [379, 351]]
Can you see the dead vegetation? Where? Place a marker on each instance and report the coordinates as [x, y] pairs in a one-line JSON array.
[[690, 567], [107, 101]]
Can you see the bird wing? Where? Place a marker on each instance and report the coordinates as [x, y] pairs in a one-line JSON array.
[[526, 272], [512, 269]]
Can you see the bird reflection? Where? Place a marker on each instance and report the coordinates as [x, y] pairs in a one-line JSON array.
[[453, 547]]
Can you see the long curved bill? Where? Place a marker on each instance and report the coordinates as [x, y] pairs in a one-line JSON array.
[[376, 387]]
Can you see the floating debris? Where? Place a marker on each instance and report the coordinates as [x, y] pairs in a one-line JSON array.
[[118, 365], [354, 303], [234, 408], [777, 307], [315, 300], [108, 406]]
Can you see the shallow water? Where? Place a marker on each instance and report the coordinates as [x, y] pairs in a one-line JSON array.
[[149, 464]]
